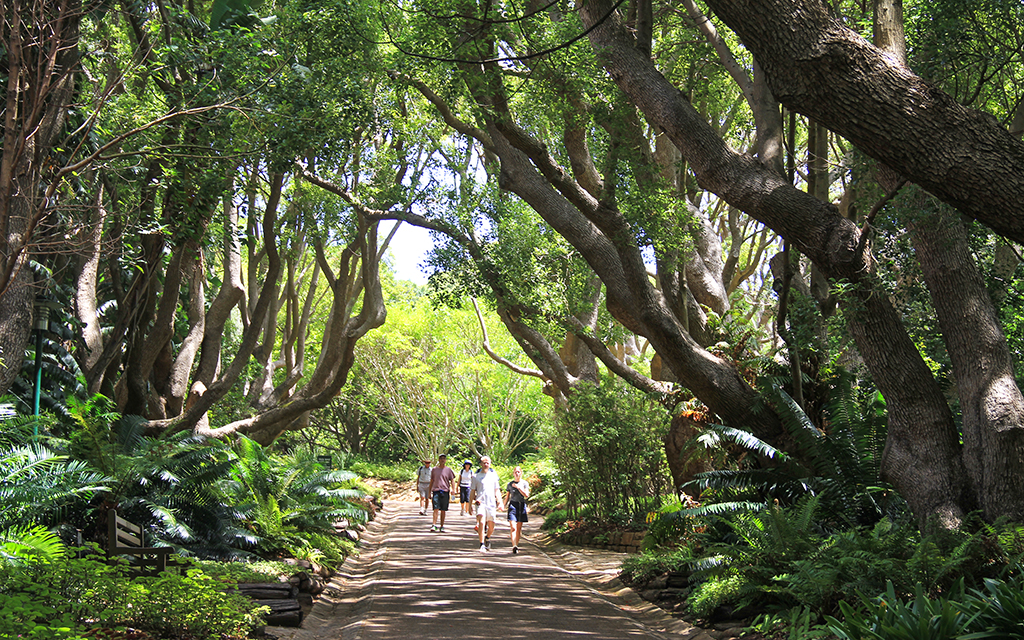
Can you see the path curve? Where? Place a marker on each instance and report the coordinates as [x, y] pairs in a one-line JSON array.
[[410, 583]]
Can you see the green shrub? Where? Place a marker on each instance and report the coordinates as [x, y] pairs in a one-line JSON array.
[[1000, 609], [995, 612], [609, 451], [852, 562], [714, 592], [244, 571], [888, 617], [333, 549], [796, 623], [361, 486], [61, 600], [542, 474], [642, 567], [670, 526], [395, 471], [555, 520]]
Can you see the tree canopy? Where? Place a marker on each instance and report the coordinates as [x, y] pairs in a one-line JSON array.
[[691, 196]]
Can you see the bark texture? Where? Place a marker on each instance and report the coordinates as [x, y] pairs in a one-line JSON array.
[[990, 400], [818, 67], [922, 457]]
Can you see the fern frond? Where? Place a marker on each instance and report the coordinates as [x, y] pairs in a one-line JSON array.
[[30, 542], [720, 508], [748, 441]]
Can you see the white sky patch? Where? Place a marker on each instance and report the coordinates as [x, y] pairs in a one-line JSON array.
[[409, 250]]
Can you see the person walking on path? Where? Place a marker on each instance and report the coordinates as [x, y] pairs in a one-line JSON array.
[[516, 493], [442, 480], [465, 482], [423, 485], [485, 495]]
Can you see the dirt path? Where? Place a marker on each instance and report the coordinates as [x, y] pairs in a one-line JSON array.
[[410, 583]]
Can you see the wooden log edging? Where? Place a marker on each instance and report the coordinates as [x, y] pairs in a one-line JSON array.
[[284, 612]]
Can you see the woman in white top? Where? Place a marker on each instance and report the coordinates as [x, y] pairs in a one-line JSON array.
[[465, 480]]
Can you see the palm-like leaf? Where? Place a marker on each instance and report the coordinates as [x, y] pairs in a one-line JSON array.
[[35, 483], [29, 542], [722, 508], [285, 496], [839, 464], [35, 486], [748, 441]]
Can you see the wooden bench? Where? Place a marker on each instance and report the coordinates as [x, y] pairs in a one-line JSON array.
[[125, 538]]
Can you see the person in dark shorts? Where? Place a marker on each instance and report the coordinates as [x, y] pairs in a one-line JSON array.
[[516, 493], [442, 478], [465, 480]]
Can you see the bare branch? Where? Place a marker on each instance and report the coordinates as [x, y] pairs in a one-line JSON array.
[[500, 360]]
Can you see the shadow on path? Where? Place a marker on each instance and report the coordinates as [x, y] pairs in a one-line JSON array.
[[411, 583]]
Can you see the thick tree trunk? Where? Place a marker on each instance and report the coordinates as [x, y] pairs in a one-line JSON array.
[[338, 351], [229, 295], [818, 67], [40, 57], [178, 377], [632, 300], [15, 326], [922, 456], [85, 290], [202, 397], [133, 392], [684, 459], [990, 400]]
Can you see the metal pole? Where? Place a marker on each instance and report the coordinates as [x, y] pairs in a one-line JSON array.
[[42, 323], [39, 384]]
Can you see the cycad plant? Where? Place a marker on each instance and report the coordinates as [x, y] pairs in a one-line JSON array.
[[173, 485], [289, 500], [38, 488], [839, 463]]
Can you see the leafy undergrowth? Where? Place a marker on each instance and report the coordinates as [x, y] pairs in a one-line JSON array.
[[77, 598], [236, 572], [558, 523], [641, 568]]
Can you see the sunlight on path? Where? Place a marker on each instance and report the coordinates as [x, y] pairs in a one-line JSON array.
[[410, 583]]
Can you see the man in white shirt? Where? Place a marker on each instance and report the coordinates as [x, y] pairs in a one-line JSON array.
[[485, 494]]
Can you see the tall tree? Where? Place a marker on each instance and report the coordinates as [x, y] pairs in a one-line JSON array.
[[814, 69], [40, 67], [187, 143]]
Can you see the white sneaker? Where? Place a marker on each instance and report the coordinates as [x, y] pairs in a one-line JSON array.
[[483, 548]]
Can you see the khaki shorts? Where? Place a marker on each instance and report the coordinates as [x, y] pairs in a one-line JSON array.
[[486, 513]]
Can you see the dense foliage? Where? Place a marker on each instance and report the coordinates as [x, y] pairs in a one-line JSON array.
[[68, 598], [201, 497], [606, 446]]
